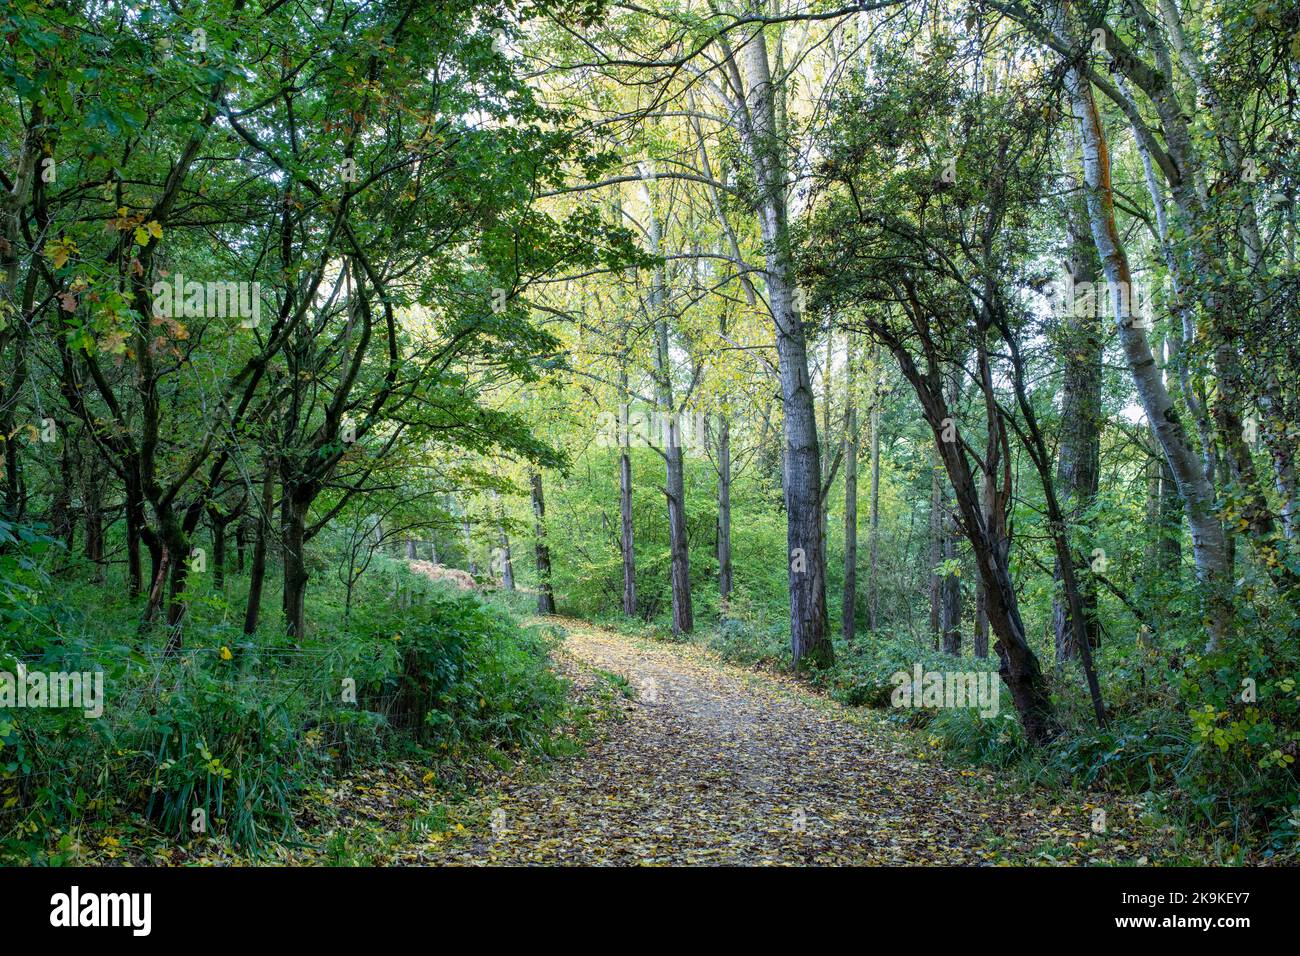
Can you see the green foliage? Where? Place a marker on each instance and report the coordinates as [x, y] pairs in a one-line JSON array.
[[239, 727], [468, 673]]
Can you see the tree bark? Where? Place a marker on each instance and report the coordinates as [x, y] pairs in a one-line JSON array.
[[1079, 452], [471, 565], [1209, 545], [851, 441], [950, 584], [626, 539], [257, 570], [950, 603], [674, 478], [809, 640], [683, 613], [827, 475], [503, 547], [724, 511], [219, 554], [545, 595], [1171, 526], [294, 531], [873, 585], [1019, 666], [936, 555], [981, 621], [134, 527], [63, 523]]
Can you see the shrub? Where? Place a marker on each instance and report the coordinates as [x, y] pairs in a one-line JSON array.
[[223, 737]]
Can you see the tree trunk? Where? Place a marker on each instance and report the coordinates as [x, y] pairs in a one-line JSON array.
[[683, 614], [63, 522], [157, 568], [674, 479], [1079, 453], [507, 563], [545, 596], [503, 547], [826, 433], [848, 613], [162, 558], [1171, 526], [1036, 446], [178, 544], [936, 555], [134, 528], [724, 511], [873, 585], [1019, 666], [802, 465], [471, 565], [950, 602], [177, 533], [219, 554], [294, 533], [1209, 545], [950, 583], [1282, 454], [626, 540], [257, 571], [93, 508]]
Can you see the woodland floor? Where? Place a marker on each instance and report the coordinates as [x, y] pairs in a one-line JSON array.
[[694, 762]]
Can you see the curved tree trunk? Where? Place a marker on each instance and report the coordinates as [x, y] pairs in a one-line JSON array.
[[1209, 545]]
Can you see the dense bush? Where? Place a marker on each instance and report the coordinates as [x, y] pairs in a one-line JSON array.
[[223, 736]]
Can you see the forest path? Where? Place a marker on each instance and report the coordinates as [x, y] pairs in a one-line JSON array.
[[711, 764]]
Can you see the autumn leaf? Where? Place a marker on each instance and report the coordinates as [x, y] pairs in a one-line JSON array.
[[59, 251]]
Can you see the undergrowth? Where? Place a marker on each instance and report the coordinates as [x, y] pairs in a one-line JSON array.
[[220, 739]]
